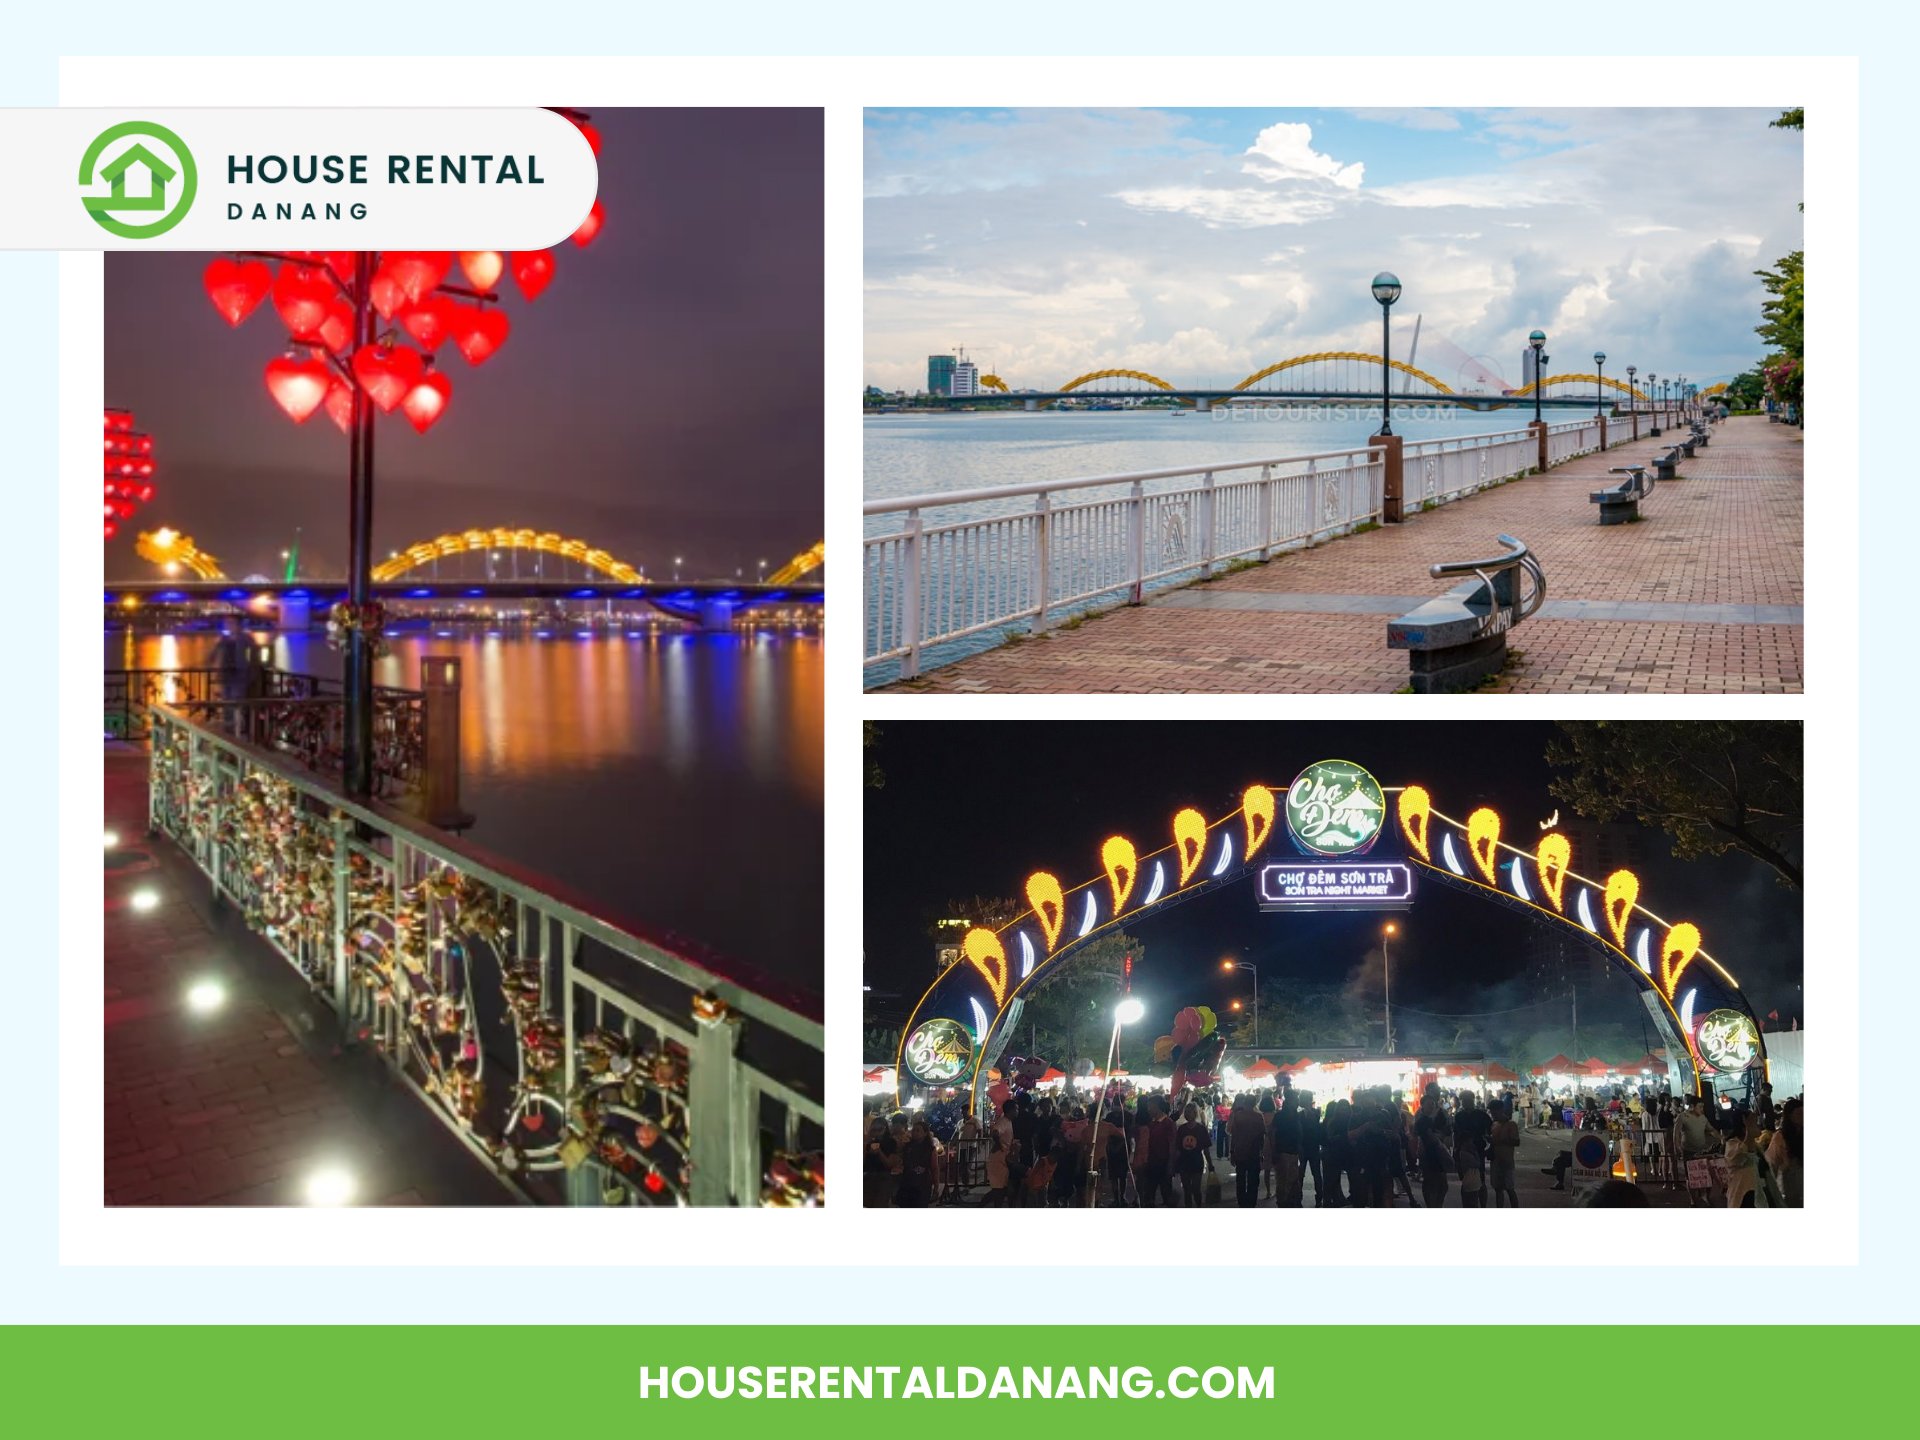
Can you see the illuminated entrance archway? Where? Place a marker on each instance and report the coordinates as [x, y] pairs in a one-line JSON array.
[[1679, 981]]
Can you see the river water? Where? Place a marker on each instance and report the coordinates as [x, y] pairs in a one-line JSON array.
[[673, 776]]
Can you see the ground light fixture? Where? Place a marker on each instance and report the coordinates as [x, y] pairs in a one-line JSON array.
[[329, 1187], [145, 899], [206, 996]]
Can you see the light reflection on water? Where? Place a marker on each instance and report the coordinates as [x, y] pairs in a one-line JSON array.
[[643, 771]]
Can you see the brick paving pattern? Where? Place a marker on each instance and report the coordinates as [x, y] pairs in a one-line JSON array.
[[1727, 534], [239, 1106]]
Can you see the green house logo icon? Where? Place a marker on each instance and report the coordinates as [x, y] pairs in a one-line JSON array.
[[151, 181]]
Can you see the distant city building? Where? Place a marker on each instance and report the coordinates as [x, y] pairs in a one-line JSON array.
[[940, 374], [966, 378]]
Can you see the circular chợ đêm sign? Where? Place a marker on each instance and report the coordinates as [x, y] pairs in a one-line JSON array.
[[1727, 1040], [1334, 807], [939, 1052]]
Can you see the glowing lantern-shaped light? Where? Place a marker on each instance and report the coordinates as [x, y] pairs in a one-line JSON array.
[[336, 331], [426, 402], [590, 227], [426, 322], [385, 293], [593, 135], [418, 273], [477, 331], [340, 404], [386, 372], [298, 386], [483, 268], [532, 271], [302, 296], [236, 289]]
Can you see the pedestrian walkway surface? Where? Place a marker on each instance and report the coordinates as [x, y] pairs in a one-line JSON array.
[[244, 1104], [1702, 596]]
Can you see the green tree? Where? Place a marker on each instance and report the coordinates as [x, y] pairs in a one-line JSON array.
[[1068, 1017], [1794, 119], [1783, 314], [1745, 392], [1714, 786]]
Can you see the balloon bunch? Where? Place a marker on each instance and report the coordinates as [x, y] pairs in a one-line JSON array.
[[1193, 1049], [316, 294]]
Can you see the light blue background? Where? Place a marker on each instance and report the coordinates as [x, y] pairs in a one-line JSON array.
[[1882, 1288]]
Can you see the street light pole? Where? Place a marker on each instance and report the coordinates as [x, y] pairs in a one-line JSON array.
[[1386, 965], [1653, 401], [357, 718], [1126, 1012], [1386, 289], [1633, 395], [1229, 966], [1600, 384], [1538, 340]]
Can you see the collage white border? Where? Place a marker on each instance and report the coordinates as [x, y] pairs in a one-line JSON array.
[[844, 1235]]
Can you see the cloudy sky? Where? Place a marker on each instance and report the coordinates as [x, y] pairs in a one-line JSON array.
[[1201, 245]]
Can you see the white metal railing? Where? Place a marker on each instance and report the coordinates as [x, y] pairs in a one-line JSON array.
[[1572, 439], [1436, 471], [997, 556], [584, 1062]]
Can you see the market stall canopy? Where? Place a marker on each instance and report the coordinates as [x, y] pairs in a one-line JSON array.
[[1558, 1065], [1052, 1075], [1260, 1069], [1497, 1071], [1651, 1063], [1593, 1065], [875, 1075]]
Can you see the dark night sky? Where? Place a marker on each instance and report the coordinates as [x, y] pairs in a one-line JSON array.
[[973, 808], [661, 397]]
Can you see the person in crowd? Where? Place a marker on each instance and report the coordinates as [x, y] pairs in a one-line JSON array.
[[1618, 1194], [999, 1172], [1694, 1145], [1433, 1133], [1264, 1109], [1222, 1113], [1284, 1140], [1310, 1143], [1527, 1100], [1154, 1155], [1338, 1148], [1472, 1128], [881, 1163], [1400, 1150], [1192, 1157], [1503, 1145], [1742, 1152], [915, 1188], [1110, 1143], [1783, 1155], [1246, 1149]]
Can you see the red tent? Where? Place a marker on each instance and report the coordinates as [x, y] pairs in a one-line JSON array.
[[1595, 1066], [875, 1075], [1651, 1063], [1260, 1069], [1497, 1071], [1296, 1066], [1559, 1065], [1052, 1075]]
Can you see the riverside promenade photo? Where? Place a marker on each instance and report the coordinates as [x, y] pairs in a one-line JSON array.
[[1703, 595]]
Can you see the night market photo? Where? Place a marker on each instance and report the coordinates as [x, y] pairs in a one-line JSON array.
[[1415, 964]]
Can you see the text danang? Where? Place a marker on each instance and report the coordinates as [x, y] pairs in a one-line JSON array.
[[401, 170]]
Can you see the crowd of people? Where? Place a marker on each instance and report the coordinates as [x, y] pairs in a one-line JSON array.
[[1369, 1150]]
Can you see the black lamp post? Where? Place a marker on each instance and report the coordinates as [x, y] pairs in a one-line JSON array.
[[1386, 289], [1599, 383], [1538, 340], [1633, 395], [1653, 401]]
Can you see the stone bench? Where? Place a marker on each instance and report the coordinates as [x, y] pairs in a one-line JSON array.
[[1456, 640], [1702, 433], [1663, 464], [1621, 503]]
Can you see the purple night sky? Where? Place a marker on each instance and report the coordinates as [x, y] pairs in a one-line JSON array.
[[661, 398]]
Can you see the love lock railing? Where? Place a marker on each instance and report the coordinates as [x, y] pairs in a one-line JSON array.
[[582, 1061]]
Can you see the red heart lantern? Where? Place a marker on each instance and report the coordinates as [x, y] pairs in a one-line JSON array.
[[298, 386], [593, 135], [532, 271], [340, 404], [418, 273], [236, 289], [482, 267], [386, 373], [590, 226], [336, 331], [426, 322], [302, 296], [385, 293], [427, 401], [112, 529], [478, 331], [533, 1120]]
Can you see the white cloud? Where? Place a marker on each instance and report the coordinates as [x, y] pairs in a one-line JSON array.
[[1238, 208], [1410, 118], [1284, 151]]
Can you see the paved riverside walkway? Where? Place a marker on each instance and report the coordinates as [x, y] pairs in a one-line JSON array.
[[242, 1105], [1703, 596]]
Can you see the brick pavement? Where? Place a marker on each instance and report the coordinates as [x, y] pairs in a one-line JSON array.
[[1728, 534], [239, 1106]]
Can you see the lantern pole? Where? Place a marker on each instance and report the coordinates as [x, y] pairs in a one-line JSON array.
[[357, 739]]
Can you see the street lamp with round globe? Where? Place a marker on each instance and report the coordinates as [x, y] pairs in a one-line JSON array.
[[1386, 289], [1600, 382], [1128, 1012]]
